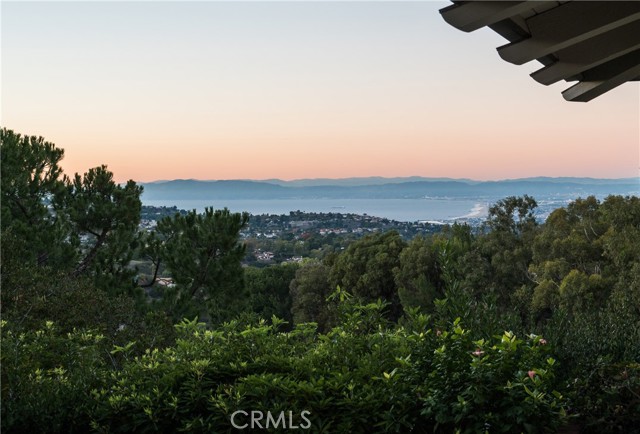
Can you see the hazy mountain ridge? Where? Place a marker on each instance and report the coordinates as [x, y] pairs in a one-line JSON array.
[[379, 180], [358, 181], [396, 188]]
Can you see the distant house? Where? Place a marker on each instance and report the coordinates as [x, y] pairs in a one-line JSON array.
[[302, 224], [265, 256], [165, 281]]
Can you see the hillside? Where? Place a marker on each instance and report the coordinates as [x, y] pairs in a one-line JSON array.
[[396, 188]]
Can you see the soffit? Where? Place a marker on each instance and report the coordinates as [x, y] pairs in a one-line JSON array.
[[596, 43]]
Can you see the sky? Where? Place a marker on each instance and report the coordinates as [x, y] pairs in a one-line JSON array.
[[296, 89]]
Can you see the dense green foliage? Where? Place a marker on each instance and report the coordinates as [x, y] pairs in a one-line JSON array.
[[268, 290], [316, 235], [366, 269], [202, 254], [84, 226], [309, 290], [362, 376], [31, 176], [440, 333]]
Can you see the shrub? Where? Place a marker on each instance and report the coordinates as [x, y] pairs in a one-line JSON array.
[[477, 386], [363, 376], [47, 378]]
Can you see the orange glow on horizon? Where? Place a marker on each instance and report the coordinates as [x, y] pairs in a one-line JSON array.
[[213, 90]]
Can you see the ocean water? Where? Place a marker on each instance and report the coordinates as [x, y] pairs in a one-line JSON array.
[[406, 210]]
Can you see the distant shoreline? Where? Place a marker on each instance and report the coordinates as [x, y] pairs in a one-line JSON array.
[[478, 210], [402, 210]]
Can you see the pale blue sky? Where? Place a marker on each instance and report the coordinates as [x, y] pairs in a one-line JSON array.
[[295, 89]]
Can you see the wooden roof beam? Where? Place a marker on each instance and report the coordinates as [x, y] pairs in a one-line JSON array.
[[578, 58], [560, 28], [473, 15], [604, 78]]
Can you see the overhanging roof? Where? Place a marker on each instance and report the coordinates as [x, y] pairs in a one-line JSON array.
[[596, 43]]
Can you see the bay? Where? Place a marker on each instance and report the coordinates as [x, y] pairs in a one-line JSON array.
[[405, 210]]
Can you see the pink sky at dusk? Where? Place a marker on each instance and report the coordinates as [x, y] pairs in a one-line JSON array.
[[289, 90]]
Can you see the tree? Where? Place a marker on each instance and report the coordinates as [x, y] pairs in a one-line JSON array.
[[420, 277], [31, 178], [60, 233], [268, 290], [366, 269], [86, 225], [309, 291], [506, 248], [105, 216], [583, 252], [512, 215], [202, 253]]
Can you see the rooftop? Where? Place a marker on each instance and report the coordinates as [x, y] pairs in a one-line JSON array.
[[593, 43]]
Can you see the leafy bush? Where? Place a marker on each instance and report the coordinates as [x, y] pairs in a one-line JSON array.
[[47, 377], [476, 386], [608, 397], [601, 375], [362, 376]]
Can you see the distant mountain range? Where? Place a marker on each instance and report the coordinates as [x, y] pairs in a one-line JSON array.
[[386, 188]]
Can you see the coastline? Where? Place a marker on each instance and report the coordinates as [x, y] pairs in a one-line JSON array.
[[406, 210], [480, 209]]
